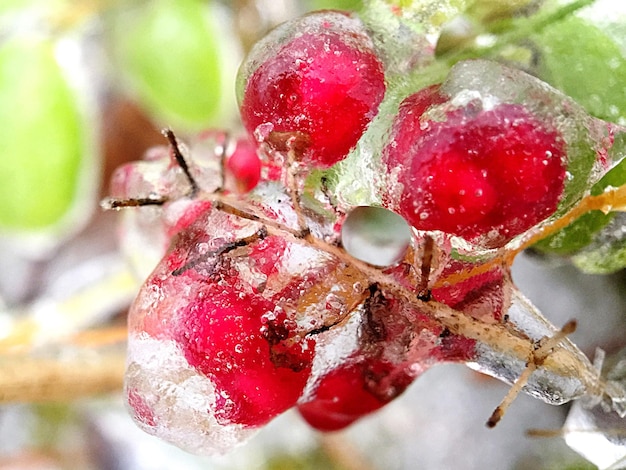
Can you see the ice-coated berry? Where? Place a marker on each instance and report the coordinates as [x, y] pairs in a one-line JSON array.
[[485, 174], [222, 336], [344, 395], [374, 374], [397, 343], [484, 296], [232, 334], [243, 166], [312, 85], [206, 300]]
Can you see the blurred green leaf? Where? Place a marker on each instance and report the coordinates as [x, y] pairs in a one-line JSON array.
[[585, 63], [315, 458], [40, 136], [169, 52], [8, 5], [352, 5]]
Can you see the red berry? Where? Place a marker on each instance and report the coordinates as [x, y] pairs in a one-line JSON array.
[[376, 373], [342, 397], [316, 88], [483, 174], [206, 298], [396, 344], [222, 336], [243, 166], [484, 296]]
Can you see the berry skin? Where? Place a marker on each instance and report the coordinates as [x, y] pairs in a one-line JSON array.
[[483, 174], [343, 396], [319, 90], [484, 296], [235, 336], [222, 336], [243, 166]]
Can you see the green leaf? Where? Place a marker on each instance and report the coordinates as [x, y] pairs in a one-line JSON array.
[[575, 236], [424, 16], [40, 136], [607, 252], [586, 64], [170, 54], [587, 232], [490, 10], [350, 5]]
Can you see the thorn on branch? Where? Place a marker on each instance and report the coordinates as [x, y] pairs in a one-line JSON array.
[[180, 159]]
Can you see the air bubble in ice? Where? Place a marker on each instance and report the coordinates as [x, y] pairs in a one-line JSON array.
[[375, 235]]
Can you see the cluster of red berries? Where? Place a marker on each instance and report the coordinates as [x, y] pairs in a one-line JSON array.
[[260, 312], [486, 175]]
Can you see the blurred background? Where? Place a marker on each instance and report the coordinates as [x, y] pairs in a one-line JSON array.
[[87, 85]]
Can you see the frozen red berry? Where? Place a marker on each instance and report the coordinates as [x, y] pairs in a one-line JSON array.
[[313, 85], [376, 373], [346, 394], [206, 298], [243, 166], [485, 174], [223, 335], [397, 342]]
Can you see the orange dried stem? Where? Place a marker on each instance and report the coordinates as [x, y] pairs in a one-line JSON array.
[[549, 433]]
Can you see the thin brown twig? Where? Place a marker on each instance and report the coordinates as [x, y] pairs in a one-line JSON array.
[[537, 357]]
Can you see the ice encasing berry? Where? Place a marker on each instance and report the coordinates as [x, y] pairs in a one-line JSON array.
[[312, 85], [396, 343], [483, 171]]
